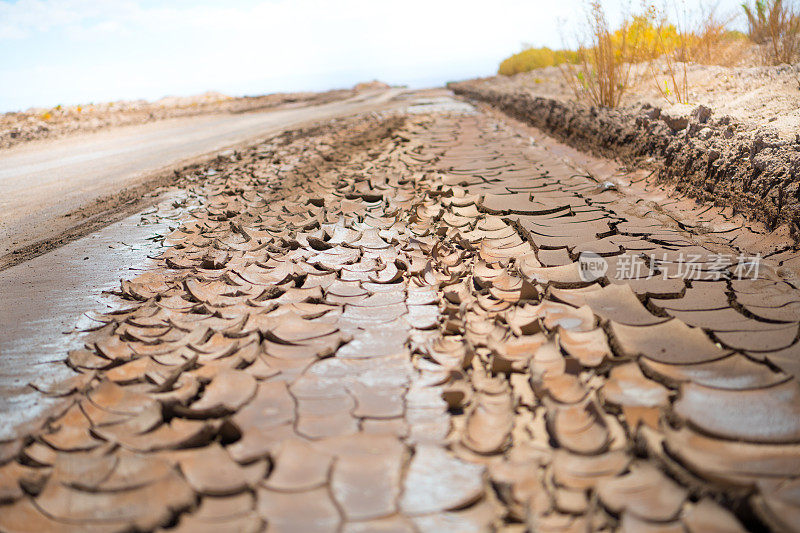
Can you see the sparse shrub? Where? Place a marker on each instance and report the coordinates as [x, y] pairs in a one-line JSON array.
[[533, 58], [775, 24], [672, 54], [603, 74]]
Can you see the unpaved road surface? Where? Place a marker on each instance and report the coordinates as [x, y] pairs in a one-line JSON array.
[[44, 185], [384, 323]]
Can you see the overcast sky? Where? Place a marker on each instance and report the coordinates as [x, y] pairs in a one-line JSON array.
[[79, 51]]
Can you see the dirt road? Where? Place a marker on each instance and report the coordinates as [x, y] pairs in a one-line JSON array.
[[424, 321], [45, 185]]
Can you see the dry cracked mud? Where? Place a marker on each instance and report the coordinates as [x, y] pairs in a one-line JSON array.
[[382, 324]]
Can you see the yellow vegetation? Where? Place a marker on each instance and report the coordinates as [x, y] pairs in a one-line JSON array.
[[534, 58], [600, 70]]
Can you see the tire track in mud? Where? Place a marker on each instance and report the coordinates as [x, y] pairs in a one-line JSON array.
[[383, 324]]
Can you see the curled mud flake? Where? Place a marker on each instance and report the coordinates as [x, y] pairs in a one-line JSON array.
[[177, 433], [613, 302], [304, 511], [218, 508], [71, 432], [143, 506], [735, 372], [210, 470], [87, 360], [181, 392], [227, 392], [258, 443], [514, 354], [590, 348], [547, 361], [563, 388], [292, 328], [645, 492], [579, 428], [479, 517], [630, 523], [524, 320], [458, 391], [566, 275], [779, 503], [367, 485], [436, 481], [586, 471], [489, 423], [555, 315], [671, 342], [557, 522], [64, 387], [38, 454], [298, 467], [765, 415], [17, 479], [641, 399], [511, 285], [24, 516], [121, 400], [733, 463], [271, 406], [708, 516]]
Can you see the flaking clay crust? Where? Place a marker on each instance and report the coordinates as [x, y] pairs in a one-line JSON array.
[[382, 323]]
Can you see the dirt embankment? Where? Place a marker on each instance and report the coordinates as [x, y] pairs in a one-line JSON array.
[[720, 159], [34, 124]]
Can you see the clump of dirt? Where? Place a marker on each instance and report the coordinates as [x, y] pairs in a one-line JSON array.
[[712, 158]]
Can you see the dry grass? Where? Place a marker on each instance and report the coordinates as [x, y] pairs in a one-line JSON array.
[[674, 55], [600, 71], [712, 42], [775, 25], [603, 72]]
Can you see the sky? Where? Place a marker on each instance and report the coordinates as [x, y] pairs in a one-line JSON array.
[[80, 51]]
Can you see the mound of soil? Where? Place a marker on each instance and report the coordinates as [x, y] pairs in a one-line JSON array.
[[713, 159]]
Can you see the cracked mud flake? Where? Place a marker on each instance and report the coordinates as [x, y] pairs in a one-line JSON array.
[[613, 302], [145, 506], [645, 492], [436, 482], [735, 372], [769, 415], [671, 342], [736, 462], [298, 467], [311, 510]]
